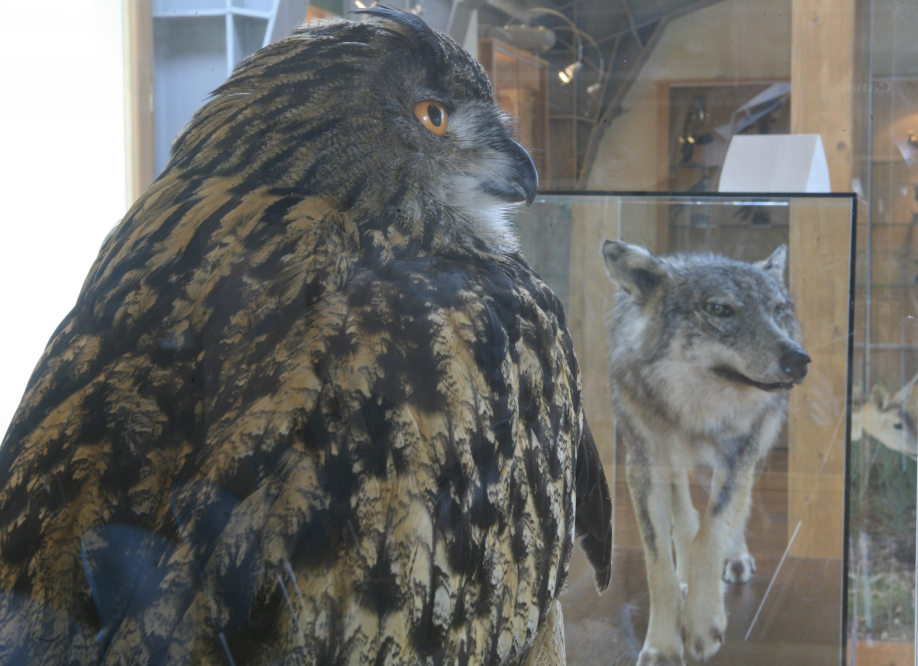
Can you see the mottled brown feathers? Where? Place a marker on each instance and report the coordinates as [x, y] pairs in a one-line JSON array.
[[310, 407]]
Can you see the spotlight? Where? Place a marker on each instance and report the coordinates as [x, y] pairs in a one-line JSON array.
[[568, 73]]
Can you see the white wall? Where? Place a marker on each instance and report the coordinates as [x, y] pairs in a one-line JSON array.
[[62, 167]]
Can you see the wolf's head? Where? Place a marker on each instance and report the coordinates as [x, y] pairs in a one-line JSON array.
[[701, 313]]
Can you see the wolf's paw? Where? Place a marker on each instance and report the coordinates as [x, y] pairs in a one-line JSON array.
[[651, 657], [703, 628], [740, 569]]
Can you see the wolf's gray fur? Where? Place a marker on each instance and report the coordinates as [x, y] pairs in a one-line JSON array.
[[704, 351]]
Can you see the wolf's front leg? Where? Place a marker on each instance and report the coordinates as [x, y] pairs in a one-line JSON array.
[[685, 524], [651, 494], [739, 565], [705, 621]]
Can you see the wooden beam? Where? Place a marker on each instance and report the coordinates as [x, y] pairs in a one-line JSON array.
[[819, 246], [822, 80], [138, 96], [822, 86], [592, 295]]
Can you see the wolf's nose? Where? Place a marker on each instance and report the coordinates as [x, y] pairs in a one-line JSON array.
[[794, 362]]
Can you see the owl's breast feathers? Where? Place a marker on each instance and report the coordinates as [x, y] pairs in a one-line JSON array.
[[272, 430]]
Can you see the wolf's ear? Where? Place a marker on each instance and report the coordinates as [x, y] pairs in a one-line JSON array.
[[775, 263], [879, 396], [633, 269], [904, 395]]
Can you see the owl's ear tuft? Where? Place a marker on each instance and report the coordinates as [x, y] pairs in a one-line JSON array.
[[423, 37]]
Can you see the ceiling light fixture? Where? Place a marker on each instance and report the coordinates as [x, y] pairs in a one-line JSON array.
[[570, 72]]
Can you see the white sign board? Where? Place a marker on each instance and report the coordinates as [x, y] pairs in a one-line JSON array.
[[775, 163]]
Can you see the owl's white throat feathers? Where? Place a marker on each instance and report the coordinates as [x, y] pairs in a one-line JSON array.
[[480, 214], [464, 188]]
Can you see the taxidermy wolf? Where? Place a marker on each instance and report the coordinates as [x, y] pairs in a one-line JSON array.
[[704, 351]]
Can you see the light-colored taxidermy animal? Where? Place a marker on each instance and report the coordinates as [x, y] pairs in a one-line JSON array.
[[890, 419], [703, 352]]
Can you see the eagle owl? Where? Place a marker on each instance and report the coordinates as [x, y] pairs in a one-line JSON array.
[[312, 406]]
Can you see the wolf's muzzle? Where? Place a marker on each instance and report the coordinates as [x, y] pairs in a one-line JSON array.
[[794, 364]]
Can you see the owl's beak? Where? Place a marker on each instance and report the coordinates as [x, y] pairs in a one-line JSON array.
[[526, 178], [519, 180]]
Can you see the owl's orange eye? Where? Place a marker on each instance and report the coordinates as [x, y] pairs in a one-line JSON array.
[[432, 115]]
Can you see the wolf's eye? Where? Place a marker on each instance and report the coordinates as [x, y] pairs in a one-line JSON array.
[[718, 309]]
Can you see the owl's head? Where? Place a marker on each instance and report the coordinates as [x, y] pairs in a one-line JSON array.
[[386, 119]]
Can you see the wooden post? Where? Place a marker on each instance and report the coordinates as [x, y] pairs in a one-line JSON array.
[[822, 80], [138, 96], [822, 87], [819, 247], [592, 295]]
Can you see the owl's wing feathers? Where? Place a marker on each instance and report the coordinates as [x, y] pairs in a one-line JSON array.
[[594, 509]]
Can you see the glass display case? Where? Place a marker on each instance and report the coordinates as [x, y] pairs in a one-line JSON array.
[[793, 609]]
